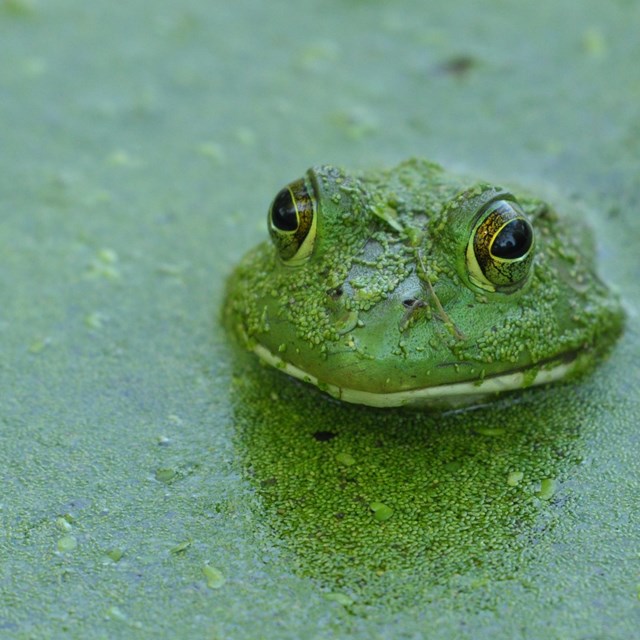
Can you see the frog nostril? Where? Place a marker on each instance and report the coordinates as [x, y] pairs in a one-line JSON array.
[[409, 302], [336, 293]]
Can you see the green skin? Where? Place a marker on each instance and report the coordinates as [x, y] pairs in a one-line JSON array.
[[388, 307]]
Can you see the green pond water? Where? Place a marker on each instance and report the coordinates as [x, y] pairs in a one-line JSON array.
[[156, 480]]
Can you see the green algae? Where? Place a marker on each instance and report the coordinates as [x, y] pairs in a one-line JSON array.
[[515, 478], [547, 489], [448, 508], [160, 133], [381, 511], [214, 577], [67, 544], [115, 554], [456, 515], [345, 459]]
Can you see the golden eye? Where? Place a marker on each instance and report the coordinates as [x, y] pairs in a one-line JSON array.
[[293, 221], [501, 248]]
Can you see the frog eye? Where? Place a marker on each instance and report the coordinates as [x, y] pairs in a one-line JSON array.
[[501, 248], [293, 221]]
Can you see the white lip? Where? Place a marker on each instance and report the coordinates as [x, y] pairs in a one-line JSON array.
[[450, 395]]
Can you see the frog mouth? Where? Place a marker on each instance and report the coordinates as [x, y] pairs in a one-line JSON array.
[[450, 395]]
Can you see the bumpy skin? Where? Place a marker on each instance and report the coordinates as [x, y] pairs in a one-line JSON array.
[[386, 303]]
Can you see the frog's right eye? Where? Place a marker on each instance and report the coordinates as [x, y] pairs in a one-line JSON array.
[[292, 222]]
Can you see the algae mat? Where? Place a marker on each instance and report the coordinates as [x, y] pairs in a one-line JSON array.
[[157, 482]]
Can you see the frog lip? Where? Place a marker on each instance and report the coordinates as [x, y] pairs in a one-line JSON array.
[[448, 395], [567, 357]]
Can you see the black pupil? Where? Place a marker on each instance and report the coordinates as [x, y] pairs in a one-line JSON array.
[[513, 241], [283, 212]]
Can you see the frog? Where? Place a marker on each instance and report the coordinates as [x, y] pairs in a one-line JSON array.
[[415, 286]]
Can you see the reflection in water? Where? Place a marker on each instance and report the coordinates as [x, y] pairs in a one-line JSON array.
[[394, 505]]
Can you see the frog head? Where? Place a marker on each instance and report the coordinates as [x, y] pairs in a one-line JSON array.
[[413, 286]]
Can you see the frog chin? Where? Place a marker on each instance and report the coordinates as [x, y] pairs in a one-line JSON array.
[[450, 395]]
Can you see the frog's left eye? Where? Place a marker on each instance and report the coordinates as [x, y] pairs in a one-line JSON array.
[[501, 248], [293, 221]]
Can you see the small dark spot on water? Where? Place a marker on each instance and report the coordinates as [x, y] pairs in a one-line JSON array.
[[459, 65], [614, 212], [324, 436]]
